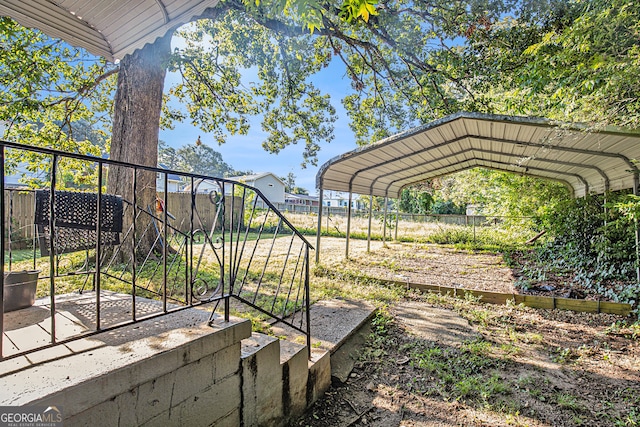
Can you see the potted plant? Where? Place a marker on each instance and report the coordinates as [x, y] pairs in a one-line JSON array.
[[19, 289]]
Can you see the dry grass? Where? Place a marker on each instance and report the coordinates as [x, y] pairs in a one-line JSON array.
[[490, 233]]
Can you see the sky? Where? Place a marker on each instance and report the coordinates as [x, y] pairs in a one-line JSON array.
[[246, 152]]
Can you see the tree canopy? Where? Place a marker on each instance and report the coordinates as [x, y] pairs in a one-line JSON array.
[[408, 63], [195, 158]]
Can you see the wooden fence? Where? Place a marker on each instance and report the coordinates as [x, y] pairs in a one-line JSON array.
[[19, 217], [20, 213]]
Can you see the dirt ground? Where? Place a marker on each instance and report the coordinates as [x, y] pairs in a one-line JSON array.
[[514, 366], [421, 263]]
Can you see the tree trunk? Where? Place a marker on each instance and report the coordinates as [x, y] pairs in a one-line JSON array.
[[136, 124]]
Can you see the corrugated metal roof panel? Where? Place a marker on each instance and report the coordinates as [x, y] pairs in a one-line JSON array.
[[585, 160], [109, 28]]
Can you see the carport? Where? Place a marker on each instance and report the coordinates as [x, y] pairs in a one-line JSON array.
[[587, 161], [105, 28]]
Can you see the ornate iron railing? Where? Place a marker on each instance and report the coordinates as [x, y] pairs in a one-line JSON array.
[[108, 260]]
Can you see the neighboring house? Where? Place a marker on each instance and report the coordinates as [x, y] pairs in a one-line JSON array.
[[301, 199], [269, 185], [174, 182], [339, 201]]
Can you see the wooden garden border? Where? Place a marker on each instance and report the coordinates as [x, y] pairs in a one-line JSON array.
[[535, 301]]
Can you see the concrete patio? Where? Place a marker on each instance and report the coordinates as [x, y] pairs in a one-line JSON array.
[[30, 328]]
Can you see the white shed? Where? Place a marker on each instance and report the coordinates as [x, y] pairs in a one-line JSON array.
[[269, 185]]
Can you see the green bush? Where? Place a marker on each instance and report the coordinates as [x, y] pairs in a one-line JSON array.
[[595, 238]]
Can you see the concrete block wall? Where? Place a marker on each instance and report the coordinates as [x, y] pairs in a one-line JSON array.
[[189, 376], [261, 381], [279, 380], [295, 375]]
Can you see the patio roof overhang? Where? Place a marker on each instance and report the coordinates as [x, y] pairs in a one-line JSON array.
[[109, 28], [586, 161]]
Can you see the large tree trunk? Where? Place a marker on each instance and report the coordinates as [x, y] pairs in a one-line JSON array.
[[136, 124]]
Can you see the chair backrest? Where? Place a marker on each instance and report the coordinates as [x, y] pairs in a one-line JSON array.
[[75, 220]]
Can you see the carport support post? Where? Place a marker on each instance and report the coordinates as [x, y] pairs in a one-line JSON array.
[[319, 232], [348, 236], [397, 215], [369, 228], [384, 222]]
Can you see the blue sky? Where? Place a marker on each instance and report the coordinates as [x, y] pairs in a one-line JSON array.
[[246, 152]]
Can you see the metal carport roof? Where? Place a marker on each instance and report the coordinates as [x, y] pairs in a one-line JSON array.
[[587, 161], [109, 28]]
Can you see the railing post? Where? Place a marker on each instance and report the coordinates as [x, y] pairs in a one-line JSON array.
[[231, 226], [307, 299], [52, 258], [9, 228], [224, 239], [189, 273], [98, 245], [133, 244], [165, 244], [2, 236]]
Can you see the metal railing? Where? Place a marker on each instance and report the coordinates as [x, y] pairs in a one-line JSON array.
[[105, 260]]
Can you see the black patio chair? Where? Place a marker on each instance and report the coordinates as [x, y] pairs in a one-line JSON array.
[[75, 220]]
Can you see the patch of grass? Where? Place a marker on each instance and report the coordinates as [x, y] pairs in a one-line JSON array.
[[19, 255], [567, 401], [345, 283], [478, 315], [631, 418], [564, 355], [468, 374], [534, 386]]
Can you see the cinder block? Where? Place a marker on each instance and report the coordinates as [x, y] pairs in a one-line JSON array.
[[161, 420], [153, 397], [319, 379], [104, 414], [127, 403], [224, 337], [231, 420], [226, 362], [261, 381], [209, 406], [83, 380], [191, 379], [293, 358], [118, 412]]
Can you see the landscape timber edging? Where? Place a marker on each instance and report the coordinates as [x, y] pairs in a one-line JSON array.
[[534, 301]]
